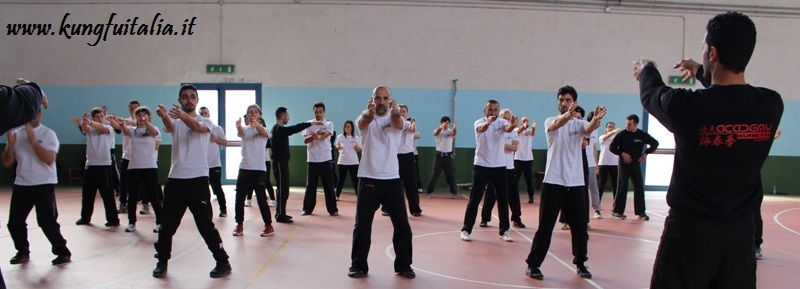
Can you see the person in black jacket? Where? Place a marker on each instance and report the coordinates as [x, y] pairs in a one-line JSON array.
[[629, 145], [280, 155], [20, 104], [723, 135]]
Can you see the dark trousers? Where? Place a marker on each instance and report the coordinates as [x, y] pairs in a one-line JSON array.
[[145, 181], [98, 178], [116, 177], [315, 172], [443, 162], [634, 172], [513, 199], [215, 180], [373, 193], [180, 194], [416, 172], [281, 172], [481, 176], [265, 182], [525, 169], [343, 171], [409, 178], [124, 193], [705, 254], [246, 183], [605, 173], [23, 200], [557, 198]]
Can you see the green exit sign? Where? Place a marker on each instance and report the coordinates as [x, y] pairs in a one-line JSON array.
[[678, 80], [220, 68]]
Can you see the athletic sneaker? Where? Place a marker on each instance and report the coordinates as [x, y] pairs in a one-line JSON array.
[[123, 209], [643, 216], [273, 203], [157, 228], [130, 228], [247, 203], [534, 273], [564, 226], [583, 271], [597, 214], [145, 209], [618, 216], [506, 237], [238, 231], [759, 256], [465, 236], [268, 231]]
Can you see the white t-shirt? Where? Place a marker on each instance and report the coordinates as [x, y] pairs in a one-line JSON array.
[[266, 149], [379, 154], [348, 154], [187, 145], [214, 148], [253, 145], [444, 141], [318, 150], [406, 140], [510, 138], [416, 139], [524, 150], [98, 146], [564, 161], [607, 158], [126, 142], [489, 150], [591, 149], [142, 148], [32, 171]]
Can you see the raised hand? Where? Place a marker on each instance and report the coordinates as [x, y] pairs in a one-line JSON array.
[[638, 65], [161, 111], [600, 111], [175, 112], [688, 68]]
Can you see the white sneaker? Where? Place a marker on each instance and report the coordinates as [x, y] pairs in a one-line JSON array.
[[130, 228], [759, 255], [465, 236], [564, 226], [213, 197], [145, 209], [588, 226], [597, 214], [248, 203], [506, 237], [273, 203], [157, 228]]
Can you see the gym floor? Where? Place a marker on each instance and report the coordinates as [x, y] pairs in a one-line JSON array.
[[314, 252]]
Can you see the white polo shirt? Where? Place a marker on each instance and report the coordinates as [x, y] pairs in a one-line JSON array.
[[142, 148], [607, 158], [214, 148], [253, 145], [32, 171], [406, 140], [524, 150], [318, 150], [379, 155], [444, 141], [489, 150], [564, 161], [98, 146], [591, 149], [348, 154], [510, 138], [188, 147]]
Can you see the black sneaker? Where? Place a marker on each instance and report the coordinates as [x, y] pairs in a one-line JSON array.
[[356, 273], [384, 213], [81, 222], [584, 272], [618, 216], [161, 270], [417, 214], [519, 224], [283, 219], [483, 224], [20, 258], [530, 200], [223, 214], [408, 274], [534, 273], [61, 259], [112, 224], [643, 216], [220, 270]]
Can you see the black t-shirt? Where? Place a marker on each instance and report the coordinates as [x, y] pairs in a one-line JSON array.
[[723, 135]]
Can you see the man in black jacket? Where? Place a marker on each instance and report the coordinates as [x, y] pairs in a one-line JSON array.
[[629, 145], [723, 135], [280, 157]]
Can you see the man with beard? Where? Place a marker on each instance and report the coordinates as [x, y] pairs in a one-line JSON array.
[[187, 183]]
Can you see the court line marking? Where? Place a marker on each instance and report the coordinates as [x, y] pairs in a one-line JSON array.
[[276, 252]]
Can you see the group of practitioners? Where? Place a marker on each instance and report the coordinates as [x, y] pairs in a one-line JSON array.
[[714, 195]]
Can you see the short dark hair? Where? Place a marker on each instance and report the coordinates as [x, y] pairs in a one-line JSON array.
[[733, 34], [203, 107], [568, 90], [280, 112], [611, 122], [634, 118], [134, 101], [96, 110], [580, 110], [492, 101], [445, 118], [590, 116], [319, 104], [187, 86]]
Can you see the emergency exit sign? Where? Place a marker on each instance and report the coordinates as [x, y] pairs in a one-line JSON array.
[[678, 80], [220, 69]]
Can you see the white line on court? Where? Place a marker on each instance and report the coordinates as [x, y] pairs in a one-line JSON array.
[[775, 218]]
